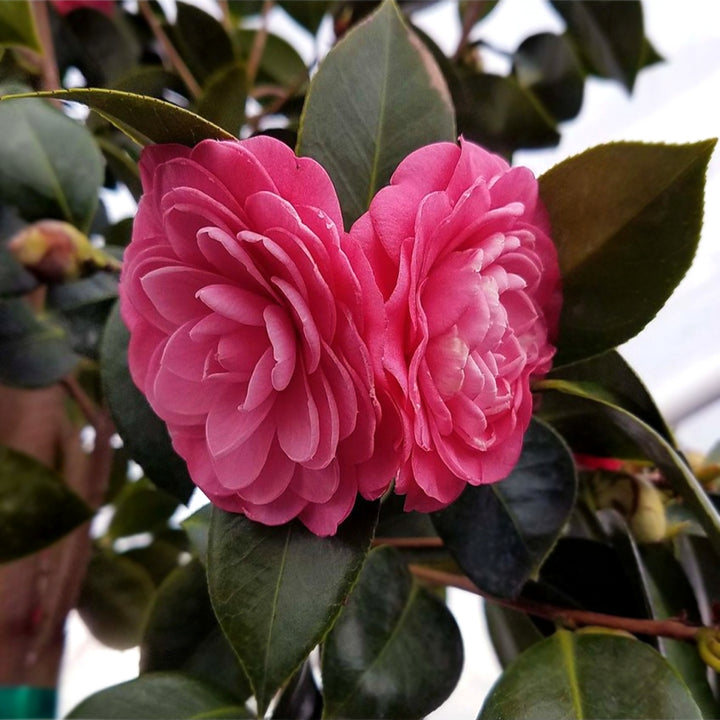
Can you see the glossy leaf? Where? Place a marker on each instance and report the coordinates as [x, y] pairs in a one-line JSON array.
[[224, 96], [593, 411], [511, 632], [589, 676], [115, 600], [17, 26], [14, 278], [546, 65], [34, 352], [201, 40], [395, 651], [277, 590], [50, 167], [501, 533], [280, 63], [182, 633], [197, 527], [609, 36], [626, 219], [670, 595], [376, 97], [308, 14], [143, 119], [36, 507], [158, 559], [139, 508], [156, 696], [152, 447]]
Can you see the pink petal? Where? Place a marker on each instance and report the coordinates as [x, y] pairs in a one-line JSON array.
[[227, 427], [323, 519], [297, 420], [284, 344], [278, 512], [240, 305]]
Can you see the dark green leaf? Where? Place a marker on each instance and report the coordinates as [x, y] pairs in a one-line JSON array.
[[50, 167], [139, 508], [158, 559], [36, 507], [501, 533], [546, 65], [34, 352], [300, 699], [609, 36], [498, 113], [589, 676], [511, 632], [197, 527], [224, 96], [115, 600], [14, 278], [280, 63], [626, 219], [618, 383], [670, 595], [395, 651], [277, 590], [594, 411], [17, 26], [201, 40], [232, 712], [157, 696], [143, 433], [183, 634], [377, 96], [308, 14], [144, 119]]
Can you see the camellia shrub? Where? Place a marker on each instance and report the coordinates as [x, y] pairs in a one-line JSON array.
[[386, 356]]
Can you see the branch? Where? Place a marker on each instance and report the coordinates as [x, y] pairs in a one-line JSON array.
[[409, 542], [48, 61], [258, 46], [566, 616], [470, 17], [86, 405], [169, 49]]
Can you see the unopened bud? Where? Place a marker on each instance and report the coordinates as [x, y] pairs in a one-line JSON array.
[[636, 499], [55, 251], [708, 645]]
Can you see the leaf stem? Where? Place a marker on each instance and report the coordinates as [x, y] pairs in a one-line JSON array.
[[571, 617], [86, 405], [168, 48]]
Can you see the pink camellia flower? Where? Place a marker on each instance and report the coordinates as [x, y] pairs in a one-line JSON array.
[[66, 6], [459, 244], [255, 327]]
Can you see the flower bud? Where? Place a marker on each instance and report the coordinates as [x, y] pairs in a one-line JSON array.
[[708, 645], [55, 251]]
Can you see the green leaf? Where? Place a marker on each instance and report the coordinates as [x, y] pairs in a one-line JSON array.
[[501, 533], [498, 113], [511, 632], [610, 36], [376, 97], [50, 166], [626, 219], [224, 96], [156, 696], [589, 676], [546, 65], [17, 25], [143, 119], [183, 634], [670, 595], [36, 507], [614, 379], [395, 651], [34, 352], [144, 433], [14, 278], [277, 590], [197, 527], [139, 508], [308, 14], [115, 600], [592, 411], [201, 40], [300, 698], [280, 63]]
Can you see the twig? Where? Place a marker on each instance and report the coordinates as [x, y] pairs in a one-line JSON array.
[[86, 405], [169, 49], [48, 61], [253, 122], [409, 542], [470, 17], [258, 46], [567, 616]]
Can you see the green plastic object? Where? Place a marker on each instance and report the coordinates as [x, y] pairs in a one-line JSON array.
[[20, 702]]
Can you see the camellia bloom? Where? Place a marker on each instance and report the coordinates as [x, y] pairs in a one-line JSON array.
[[255, 327], [459, 243]]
